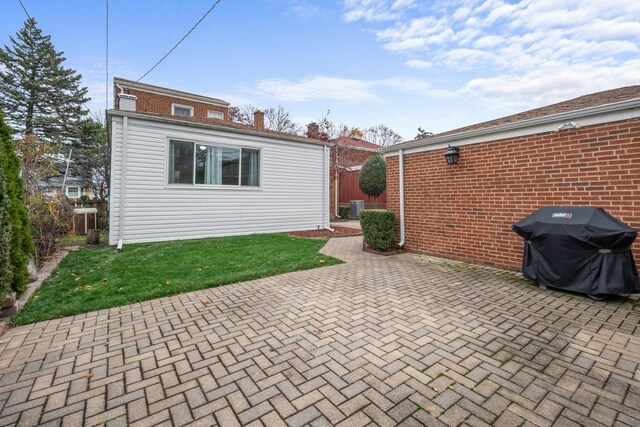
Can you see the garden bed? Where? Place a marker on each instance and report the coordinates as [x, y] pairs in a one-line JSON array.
[[324, 234]]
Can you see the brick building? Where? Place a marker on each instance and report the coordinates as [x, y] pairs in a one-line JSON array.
[[144, 98], [585, 151]]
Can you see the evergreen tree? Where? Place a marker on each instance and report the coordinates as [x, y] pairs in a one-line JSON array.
[[39, 95], [373, 177], [6, 274], [22, 247], [91, 158]]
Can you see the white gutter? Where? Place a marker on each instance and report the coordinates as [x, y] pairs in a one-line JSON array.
[[609, 110], [123, 168], [325, 192], [401, 190]]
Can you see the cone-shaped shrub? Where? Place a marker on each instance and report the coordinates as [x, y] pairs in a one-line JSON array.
[[22, 247], [6, 275]]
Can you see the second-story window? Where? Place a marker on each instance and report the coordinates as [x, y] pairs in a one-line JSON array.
[[213, 114], [181, 110]]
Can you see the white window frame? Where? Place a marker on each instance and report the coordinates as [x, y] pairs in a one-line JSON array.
[[79, 193], [213, 186], [215, 112], [188, 107]]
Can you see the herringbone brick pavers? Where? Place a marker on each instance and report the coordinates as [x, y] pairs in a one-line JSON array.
[[402, 340]]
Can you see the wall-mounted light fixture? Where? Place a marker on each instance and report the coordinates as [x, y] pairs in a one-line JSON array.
[[568, 125], [452, 155]]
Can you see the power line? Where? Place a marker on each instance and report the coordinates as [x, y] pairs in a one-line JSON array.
[[106, 66], [25, 9], [180, 41]]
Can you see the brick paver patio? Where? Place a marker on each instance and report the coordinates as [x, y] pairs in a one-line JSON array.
[[378, 340]]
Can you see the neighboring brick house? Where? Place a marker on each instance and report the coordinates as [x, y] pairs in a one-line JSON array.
[[144, 98], [585, 151], [347, 157]]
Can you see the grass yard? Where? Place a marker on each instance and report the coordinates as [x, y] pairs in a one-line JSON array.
[[93, 279]]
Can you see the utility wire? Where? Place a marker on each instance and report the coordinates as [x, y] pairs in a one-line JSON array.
[[25, 9], [180, 41], [106, 67]]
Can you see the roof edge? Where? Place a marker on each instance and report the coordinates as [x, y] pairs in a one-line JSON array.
[[212, 126], [144, 87], [585, 112]]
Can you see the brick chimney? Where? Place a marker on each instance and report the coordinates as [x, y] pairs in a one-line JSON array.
[[313, 130], [258, 120]]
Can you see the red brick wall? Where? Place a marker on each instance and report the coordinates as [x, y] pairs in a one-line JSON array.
[[161, 104], [465, 212]]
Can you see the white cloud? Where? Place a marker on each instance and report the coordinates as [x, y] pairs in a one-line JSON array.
[[419, 64], [316, 88], [529, 52], [375, 10]]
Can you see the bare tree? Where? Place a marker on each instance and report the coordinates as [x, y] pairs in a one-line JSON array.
[[382, 135], [243, 114], [279, 119]]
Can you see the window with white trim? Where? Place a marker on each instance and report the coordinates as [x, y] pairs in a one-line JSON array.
[[181, 110], [73, 192], [214, 114], [206, 164]]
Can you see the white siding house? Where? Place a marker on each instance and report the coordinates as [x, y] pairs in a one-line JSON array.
[[174, 179]]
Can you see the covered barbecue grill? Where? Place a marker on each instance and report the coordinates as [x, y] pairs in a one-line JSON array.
[[580, 249]]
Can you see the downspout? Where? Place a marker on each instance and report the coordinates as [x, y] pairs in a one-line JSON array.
[[123, 167], [117, 103], [336, 187], [325, 198], [401, 190]]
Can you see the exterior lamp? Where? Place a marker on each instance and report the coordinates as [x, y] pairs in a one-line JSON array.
[[452, 155], [568, 125]]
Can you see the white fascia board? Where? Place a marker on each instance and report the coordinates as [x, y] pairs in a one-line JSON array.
[[220, 128], [590, 116]]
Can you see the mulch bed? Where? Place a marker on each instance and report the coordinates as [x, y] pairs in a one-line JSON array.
[[339, 232], [393, 251]]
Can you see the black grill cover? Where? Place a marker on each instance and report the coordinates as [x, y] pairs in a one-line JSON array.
[[581, 249]]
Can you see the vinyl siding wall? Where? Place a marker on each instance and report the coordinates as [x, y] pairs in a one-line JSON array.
[[291, 196]]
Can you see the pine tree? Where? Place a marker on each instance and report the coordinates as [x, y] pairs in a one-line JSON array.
[[22, 247], [39, 95], [91, 159]]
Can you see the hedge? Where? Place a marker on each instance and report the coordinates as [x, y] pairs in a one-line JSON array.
[[22, 247], [344, 211], [378, 226]]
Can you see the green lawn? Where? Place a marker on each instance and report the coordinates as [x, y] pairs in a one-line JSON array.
[[93, 279]]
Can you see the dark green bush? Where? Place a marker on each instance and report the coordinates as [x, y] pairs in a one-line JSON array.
[[344, 211], [378, 226], [6, 274], [22, 247]]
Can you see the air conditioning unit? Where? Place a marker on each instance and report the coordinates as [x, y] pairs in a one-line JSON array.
[[127, 102], [356, 207]]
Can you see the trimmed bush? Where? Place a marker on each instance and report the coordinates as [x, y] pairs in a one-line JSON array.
[[6, 275], [22, 247], [378, 226], [373, 177], [344, 211]]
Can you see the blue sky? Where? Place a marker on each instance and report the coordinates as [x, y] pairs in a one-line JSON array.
[[403, 63]]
